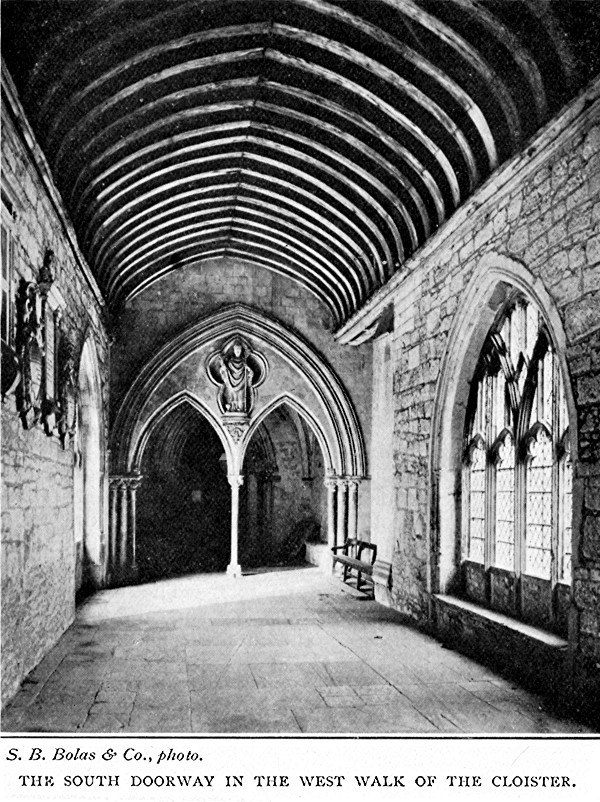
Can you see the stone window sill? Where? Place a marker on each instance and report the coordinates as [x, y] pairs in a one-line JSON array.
[[528, 631]]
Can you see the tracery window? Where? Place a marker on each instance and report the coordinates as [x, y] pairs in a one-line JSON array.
[[517, 473]]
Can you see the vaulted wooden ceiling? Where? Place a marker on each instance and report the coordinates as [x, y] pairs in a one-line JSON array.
[[323, 140]]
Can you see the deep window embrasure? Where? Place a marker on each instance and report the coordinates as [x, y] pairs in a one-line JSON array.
[[517, 474]]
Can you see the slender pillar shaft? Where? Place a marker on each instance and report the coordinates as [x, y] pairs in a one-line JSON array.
[[341, 512], [330, 485], [113, 526], [132, 515], [352, 508], [236, 481], [252, 512], [123, 516]]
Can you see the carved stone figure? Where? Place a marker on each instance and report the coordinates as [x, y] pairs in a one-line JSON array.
[[30, 353], [237, 370], [237, 379], [67, 424]]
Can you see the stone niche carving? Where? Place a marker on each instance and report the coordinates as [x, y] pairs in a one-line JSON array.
[[30, 353], [237, 370], [67, 391]]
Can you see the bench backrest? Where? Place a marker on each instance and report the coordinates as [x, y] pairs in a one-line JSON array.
[[356, 548]]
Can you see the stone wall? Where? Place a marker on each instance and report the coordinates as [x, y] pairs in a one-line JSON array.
[[183, 296], [38, 547], [541, 213]]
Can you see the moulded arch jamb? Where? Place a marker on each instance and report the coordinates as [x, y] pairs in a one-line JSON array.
[[465, 340]]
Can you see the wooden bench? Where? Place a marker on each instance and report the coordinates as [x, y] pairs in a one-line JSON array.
[[351, 557]]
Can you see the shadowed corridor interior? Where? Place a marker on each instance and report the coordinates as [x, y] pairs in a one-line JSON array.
[[282, 277]]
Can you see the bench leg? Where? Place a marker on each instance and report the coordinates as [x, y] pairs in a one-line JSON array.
[[358, 580]]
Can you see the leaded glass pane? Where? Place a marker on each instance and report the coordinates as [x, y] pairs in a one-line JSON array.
[[538, 534], [515, 335], [567, 518], [532, 332], [477, 504], [500, 408], [505, 506], [548, 386]]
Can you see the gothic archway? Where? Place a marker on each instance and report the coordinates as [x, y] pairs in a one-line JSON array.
[[283, 502], [182, 368], [183, 502]]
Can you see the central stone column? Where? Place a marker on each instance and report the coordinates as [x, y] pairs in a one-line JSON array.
[[234, 569]]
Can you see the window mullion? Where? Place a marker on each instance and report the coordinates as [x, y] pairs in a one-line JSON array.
[[520, 517], [490, 477], [555, 543]]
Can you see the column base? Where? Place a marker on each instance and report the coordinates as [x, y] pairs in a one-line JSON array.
[[234, 571]]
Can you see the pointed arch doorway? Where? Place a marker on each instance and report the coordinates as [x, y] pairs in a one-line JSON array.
[[283, 503], [184, 500]]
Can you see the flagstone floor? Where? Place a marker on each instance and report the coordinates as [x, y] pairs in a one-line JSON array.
[[282, 651]]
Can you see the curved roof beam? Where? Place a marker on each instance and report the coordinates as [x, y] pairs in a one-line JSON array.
[[389, 76], [312, 262], [168, 188], [140, 235], [310, 218], [93, 118], [99, 187], [249, 138], [347, 115], [329, 46], [141, 246], [379, 37], [186, 224], [512, 45], [231, 246], [464, 50]]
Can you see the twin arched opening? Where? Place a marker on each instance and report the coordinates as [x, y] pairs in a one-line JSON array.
[[184, 501], [169, 425]]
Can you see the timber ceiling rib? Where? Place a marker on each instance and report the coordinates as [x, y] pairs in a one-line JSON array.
[[322, 140]]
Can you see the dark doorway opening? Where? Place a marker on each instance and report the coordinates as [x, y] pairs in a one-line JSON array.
[[185, 500], [283, 501]]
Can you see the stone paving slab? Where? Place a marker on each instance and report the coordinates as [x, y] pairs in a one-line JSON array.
[[282, 652]]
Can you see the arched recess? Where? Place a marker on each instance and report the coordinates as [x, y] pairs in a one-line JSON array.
[[494, 276], [344, 442], [183, 502], [280, 514], [89, 483]]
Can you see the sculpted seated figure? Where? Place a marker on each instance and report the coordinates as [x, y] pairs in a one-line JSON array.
[[237, 379]]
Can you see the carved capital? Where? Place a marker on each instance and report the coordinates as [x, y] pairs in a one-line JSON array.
[[235, 479], [236, 425], [123, 482], [342, 484]]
